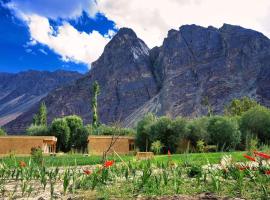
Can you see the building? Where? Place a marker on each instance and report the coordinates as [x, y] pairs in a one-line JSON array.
[[120, 144], [22, 145]]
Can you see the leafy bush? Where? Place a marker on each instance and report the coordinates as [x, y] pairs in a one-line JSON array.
[[239, 106], [37, 130], [197, 130], [36, 154], [156, 147], [75, 124], [111, 130], [256, 122], [168, 132], [143, 132], [224, 132], [2, 132], [61, 130], [80, 142]]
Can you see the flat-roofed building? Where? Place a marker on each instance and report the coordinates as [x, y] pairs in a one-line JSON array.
[[120, 144], [22, 145]]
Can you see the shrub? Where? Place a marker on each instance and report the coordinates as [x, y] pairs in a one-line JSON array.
[[197, 130], [37, 130], [36, 154], [75, 125], [142, 140], [60, 129], [224, 132], [256, 123], [80, 142], [239, 106], [2, 132], [168, 132], [111, 130], [156, 147]]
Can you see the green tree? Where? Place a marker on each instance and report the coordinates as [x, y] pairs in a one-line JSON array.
[[197, 130], [2, 132], [75, 124], [143, 132], [61, 130], [96, 92], [256, 123], [168, 132], [224, 132], [238, 106], [41, 117], [37, 130]]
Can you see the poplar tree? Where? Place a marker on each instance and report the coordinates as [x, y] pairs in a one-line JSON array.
[[96, 92]]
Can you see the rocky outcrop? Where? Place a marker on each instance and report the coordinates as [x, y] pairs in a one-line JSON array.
[[124, 74], [19, 92], [195, 67]]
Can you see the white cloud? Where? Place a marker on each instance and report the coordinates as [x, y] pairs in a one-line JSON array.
[[67, 41], [151, 19], [54, 9]]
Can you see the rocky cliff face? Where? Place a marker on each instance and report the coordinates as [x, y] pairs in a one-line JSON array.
[[19, 92], [124, 74], [193, 65]]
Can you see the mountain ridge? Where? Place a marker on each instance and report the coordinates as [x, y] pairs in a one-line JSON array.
[[193, 63]]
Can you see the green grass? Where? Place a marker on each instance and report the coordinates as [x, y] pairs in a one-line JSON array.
[[79, 159]]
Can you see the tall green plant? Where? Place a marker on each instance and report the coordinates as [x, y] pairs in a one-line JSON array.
[[96, 92]]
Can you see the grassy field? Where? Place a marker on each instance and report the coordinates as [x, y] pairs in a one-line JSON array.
[[79, 159]]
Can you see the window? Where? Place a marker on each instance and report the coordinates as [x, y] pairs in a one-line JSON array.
[[131, 146]]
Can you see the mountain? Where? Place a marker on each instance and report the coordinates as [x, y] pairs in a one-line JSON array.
[[195, 67], [19, 92]]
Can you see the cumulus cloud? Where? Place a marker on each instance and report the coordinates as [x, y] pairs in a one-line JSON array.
[[152, 19], [54, 9], [67, 41]]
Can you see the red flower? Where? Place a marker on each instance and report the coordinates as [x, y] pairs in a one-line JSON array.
[[108, 163], [243, 168], [249, 157], [262, 155], [22, 164], [87, 172], [267, 172]]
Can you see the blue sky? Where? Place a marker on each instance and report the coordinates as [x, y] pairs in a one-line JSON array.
[[70, 35]]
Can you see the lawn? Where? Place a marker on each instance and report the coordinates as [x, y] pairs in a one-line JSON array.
[[80, 159]]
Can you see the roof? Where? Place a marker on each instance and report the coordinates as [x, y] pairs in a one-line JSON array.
[[29, 137], [110, 136]]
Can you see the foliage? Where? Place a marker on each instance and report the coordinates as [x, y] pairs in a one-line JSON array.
[[41, 117], [36, 154], [110, 130], [60, 129], [2, 132], [197, 130], [75, 125], [37, 130], [168, 131], [96, 92], [200, 146], [156, 147], [256, 122], [143, 132], [239, 106], [224, 132], [80, 141]]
